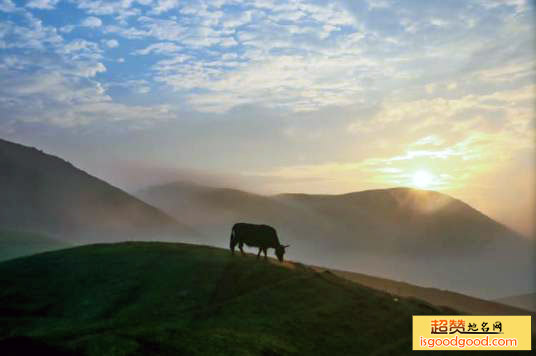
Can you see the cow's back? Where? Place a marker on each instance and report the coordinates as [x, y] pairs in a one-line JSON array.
[[256, 235]]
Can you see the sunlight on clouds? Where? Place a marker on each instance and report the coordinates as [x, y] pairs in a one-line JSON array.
[[459, 167], [429, 140], [450, 167], [508, 72]]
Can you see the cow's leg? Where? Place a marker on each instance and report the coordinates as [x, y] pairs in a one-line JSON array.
[[259, 254], [233, 242], [264, 250], [241, 247]]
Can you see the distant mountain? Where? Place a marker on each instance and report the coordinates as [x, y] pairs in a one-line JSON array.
[[213, 209], [420, 236], [46, 194], [398, 220], [526, 301]]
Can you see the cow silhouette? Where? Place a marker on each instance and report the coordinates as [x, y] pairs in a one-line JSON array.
[[261, 236]]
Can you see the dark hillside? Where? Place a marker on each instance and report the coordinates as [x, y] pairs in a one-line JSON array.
[[161, 299]]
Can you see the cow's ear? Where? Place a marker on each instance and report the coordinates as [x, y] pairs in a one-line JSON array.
[[285, 246]]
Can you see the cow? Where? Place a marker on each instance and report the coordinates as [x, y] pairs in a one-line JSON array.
[[261, 236]]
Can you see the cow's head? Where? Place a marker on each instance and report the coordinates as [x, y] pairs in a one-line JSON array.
[[280, 251]]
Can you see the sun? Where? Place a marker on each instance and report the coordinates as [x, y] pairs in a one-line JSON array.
[[423, 179]]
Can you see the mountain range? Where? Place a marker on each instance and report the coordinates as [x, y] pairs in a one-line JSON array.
[[419, 236]]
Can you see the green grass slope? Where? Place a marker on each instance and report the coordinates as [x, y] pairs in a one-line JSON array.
[[527, 301], [16, 243], [177, 299], [457, 301]]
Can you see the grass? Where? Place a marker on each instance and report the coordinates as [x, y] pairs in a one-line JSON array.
[[18, 243], [178, 299]]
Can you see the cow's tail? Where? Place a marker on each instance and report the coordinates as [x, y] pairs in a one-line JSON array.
[[233, 241]]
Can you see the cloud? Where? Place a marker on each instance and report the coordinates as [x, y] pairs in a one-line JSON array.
[[164, 6], [208, 29], [519, 5], [299, 56], [378, 4], [111, 43], [108, 7], [159, 48], [437, 22], [89, 70], [71, 99], [139, 86], [261, 34], [67, 28], [507, 73], [80, 45], [92, 21], [130, 33], [32, 34], [42, 4], [59, 87], [7, 6]]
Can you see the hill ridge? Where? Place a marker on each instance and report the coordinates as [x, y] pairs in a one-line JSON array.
[[397, 189]]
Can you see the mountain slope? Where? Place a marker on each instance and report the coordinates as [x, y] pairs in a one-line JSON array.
[[46, 194], [405, 220], [456, 301], [526, 301], [422, 237], [161, 298], [210, 208]]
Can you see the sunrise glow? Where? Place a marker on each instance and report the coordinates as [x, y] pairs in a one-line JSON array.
[[423, 179]]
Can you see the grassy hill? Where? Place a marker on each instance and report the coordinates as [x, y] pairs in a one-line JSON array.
[[178, 299], [527, 301], [15, 243], [457, 301], [393, 233], [44, 193]]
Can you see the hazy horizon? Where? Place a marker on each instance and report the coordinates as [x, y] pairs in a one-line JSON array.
[[275, 96]]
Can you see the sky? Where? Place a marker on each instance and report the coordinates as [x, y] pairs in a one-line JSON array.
[[281, 96]]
